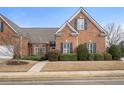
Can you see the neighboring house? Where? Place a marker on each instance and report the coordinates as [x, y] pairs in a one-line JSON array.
[[81, 28]]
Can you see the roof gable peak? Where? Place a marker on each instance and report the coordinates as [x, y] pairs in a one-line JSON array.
[[81, 9], [9, 23], [67, 24]]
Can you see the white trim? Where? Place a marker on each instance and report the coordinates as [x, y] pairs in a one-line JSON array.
[[7, 23], [66, 48], [36, 50], [90, 18], [66, 23]]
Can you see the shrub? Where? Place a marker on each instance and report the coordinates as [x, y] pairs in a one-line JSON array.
[[53, 55], [45, 57], [115, 51], [33, 57], [82, 52], [91, 56], [122, 54], [122, 48], [107, 56], [99, 57], [68, 57]]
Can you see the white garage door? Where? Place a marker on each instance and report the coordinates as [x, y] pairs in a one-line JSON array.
[[6, 51]]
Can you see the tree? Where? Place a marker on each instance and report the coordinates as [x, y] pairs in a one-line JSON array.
[[122, 48], [115, 34], [115, 51]]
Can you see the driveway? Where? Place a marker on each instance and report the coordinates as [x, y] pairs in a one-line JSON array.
[[3, 60], [122, 58]]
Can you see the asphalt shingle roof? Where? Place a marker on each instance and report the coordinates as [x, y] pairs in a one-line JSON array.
[[12, 24], [35, 35], [39, 35]]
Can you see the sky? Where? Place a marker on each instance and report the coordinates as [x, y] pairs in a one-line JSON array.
[[56, 16]]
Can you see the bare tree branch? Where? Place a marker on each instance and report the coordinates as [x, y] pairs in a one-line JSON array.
[[115, 34]]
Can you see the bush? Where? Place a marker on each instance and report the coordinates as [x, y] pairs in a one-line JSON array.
[[115, 51], [122, 54], [33, 57], [82, 52], [107, 56], [68, 57], [53, 55], [122, 48], [91, 57], [99, 57], [45, 57]]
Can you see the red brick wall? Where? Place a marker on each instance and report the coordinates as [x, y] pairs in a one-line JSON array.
[[92, 33], [65, 35], [10, 40]]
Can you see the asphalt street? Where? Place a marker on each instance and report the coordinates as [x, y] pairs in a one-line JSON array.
[[65, 82]]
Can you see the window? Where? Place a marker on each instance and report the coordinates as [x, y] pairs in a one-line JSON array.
[[91, 47], [66, 47], [36, 51], [39, 51], [52, 44], [81, 24], [1, 26], [43, 50]]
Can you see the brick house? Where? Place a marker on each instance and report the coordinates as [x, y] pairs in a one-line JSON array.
[[81, 28]]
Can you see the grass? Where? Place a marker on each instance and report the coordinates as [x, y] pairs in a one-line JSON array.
[[84, 66], [15, 68]]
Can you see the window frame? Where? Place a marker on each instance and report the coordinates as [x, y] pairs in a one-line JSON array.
[[90, 47], [80, 24], [66, 47]]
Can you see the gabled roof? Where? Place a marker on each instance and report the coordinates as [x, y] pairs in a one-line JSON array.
[[11, 24], [66, 24], [88, 16], [38, 35], [34, 35]]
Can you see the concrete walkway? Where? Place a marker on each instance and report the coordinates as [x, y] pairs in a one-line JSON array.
[[37, 67], [122, 59]]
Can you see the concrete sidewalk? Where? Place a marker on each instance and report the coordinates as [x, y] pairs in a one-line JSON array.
[[38, 67], [60, 75]]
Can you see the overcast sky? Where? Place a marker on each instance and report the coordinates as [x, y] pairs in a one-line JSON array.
[[55, 17]]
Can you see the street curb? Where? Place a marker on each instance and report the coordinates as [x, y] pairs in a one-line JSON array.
[[60, 75]]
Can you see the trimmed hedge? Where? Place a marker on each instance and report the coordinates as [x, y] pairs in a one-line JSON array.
[[91, 57], [68, 57], [33, 57], [107, 56], [99, 57], [53, 55], [82, 52], [115, 51]]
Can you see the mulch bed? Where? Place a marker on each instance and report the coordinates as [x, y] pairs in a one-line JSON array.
[[14, 66], [16, 63]]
